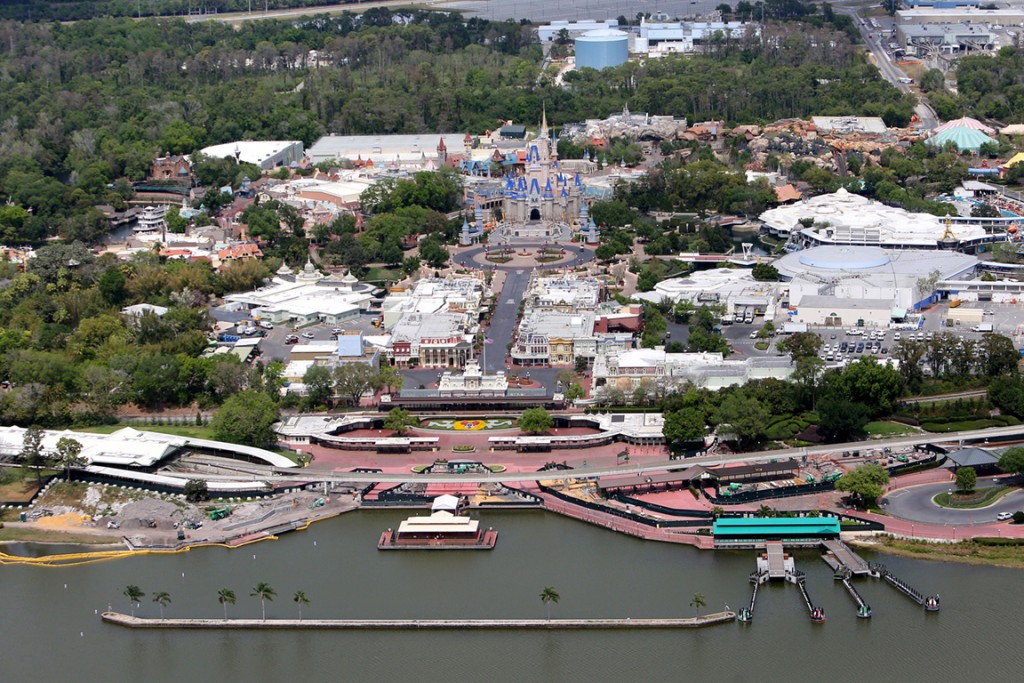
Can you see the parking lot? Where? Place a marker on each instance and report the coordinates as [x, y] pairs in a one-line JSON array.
[[274, 346]]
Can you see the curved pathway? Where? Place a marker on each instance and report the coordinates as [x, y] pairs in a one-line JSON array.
[[476, 257], [915, 504]]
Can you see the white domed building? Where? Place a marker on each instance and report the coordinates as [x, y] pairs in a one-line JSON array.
[[846, 218]]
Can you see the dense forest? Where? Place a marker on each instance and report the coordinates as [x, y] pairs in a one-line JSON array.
[[85, 104], [68, 10], [988, 88]]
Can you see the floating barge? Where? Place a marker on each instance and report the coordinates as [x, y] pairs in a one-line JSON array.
[[443, 529]]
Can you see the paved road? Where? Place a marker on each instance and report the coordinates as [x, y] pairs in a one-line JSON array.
[[916, 504], [875, 40], [978, 435]]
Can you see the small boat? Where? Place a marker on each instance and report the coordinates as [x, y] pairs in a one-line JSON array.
[[931, 604], [746, 615], [818, 615], [864, 612]]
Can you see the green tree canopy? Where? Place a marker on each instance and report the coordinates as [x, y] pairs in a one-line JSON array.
[[247, 418], [867, 482], [535, 421]]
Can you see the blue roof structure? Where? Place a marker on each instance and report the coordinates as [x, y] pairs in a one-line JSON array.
[[350, 345]]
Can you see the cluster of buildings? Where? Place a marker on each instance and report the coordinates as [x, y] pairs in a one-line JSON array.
[[564, 319], [603, 44], [955, 27], [434, 323]]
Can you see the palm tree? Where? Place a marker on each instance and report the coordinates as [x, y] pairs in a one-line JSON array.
[[766, 511], [134, 595], [698, 602], [264, 592], [300, 600], [547, 596], [226, 596], [163, 599]]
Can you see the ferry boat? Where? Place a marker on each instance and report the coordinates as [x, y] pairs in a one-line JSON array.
[[151, 220], [818, 615], [931, 604], [746, 615], [864, 612], [443, 529]]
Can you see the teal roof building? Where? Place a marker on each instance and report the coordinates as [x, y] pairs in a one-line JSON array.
[[966, 139], [775, 528]]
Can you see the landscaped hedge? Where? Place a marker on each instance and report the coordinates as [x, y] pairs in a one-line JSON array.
[[983, 540], [953, 425], [787, 426]]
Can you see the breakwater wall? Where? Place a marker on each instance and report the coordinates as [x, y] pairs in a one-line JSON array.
[[418, 624]]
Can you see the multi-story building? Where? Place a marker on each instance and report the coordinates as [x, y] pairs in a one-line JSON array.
[[437, 340], [628, 370]]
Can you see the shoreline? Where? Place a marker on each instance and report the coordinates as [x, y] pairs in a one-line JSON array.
[[932, 552]]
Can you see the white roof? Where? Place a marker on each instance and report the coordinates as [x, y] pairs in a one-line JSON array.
[[129, 447], [851, 217], [439, 522], [384, 148], [250, 151], [445, 502]]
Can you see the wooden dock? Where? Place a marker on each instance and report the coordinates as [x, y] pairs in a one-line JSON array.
[[418, 624]]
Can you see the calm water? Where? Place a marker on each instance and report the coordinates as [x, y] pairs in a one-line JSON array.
[[51, 633]]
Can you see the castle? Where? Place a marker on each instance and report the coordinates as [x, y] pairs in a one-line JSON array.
[[542, 200]]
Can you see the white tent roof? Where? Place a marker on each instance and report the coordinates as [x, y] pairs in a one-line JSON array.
[[445, 502]]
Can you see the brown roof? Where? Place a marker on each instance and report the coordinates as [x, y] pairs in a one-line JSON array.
[[644, 479], [787, 193]]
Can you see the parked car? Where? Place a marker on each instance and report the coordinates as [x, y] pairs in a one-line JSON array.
[[1003, 516], [266, 324]]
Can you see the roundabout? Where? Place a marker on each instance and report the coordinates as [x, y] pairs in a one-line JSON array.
[[916, 504], [524, 255]]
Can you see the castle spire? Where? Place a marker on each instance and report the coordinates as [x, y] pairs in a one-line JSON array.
[[543, 121]]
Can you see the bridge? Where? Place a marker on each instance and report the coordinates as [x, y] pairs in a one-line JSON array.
[[747, 259]]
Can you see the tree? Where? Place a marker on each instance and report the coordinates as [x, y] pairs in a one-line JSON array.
[[682, 427], [547, 596], [433, 252], [745, 414], [866, 482], [1012, 460], [32, 454], [226, 596], [134, 595], [196, 490], [966, 479], [998, 354], [264, 592], [247, 418], [399, 420], [535, 421], [163, 599], [69, 455], [765, 272], [300, 599], [801, 345], [352, 380], [319, 385], [841, 418], [698, 602]]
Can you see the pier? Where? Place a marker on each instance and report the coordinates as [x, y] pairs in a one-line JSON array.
[[863, 608], [817, 614], [747, 613], [774, 563], [843, 560], [418, 624]]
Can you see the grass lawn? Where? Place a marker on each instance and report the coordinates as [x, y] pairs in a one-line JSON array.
[[194, 431], [51, 536], [380, 273], [18, 490], [879, 428], [967, 552], [980, 498]]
